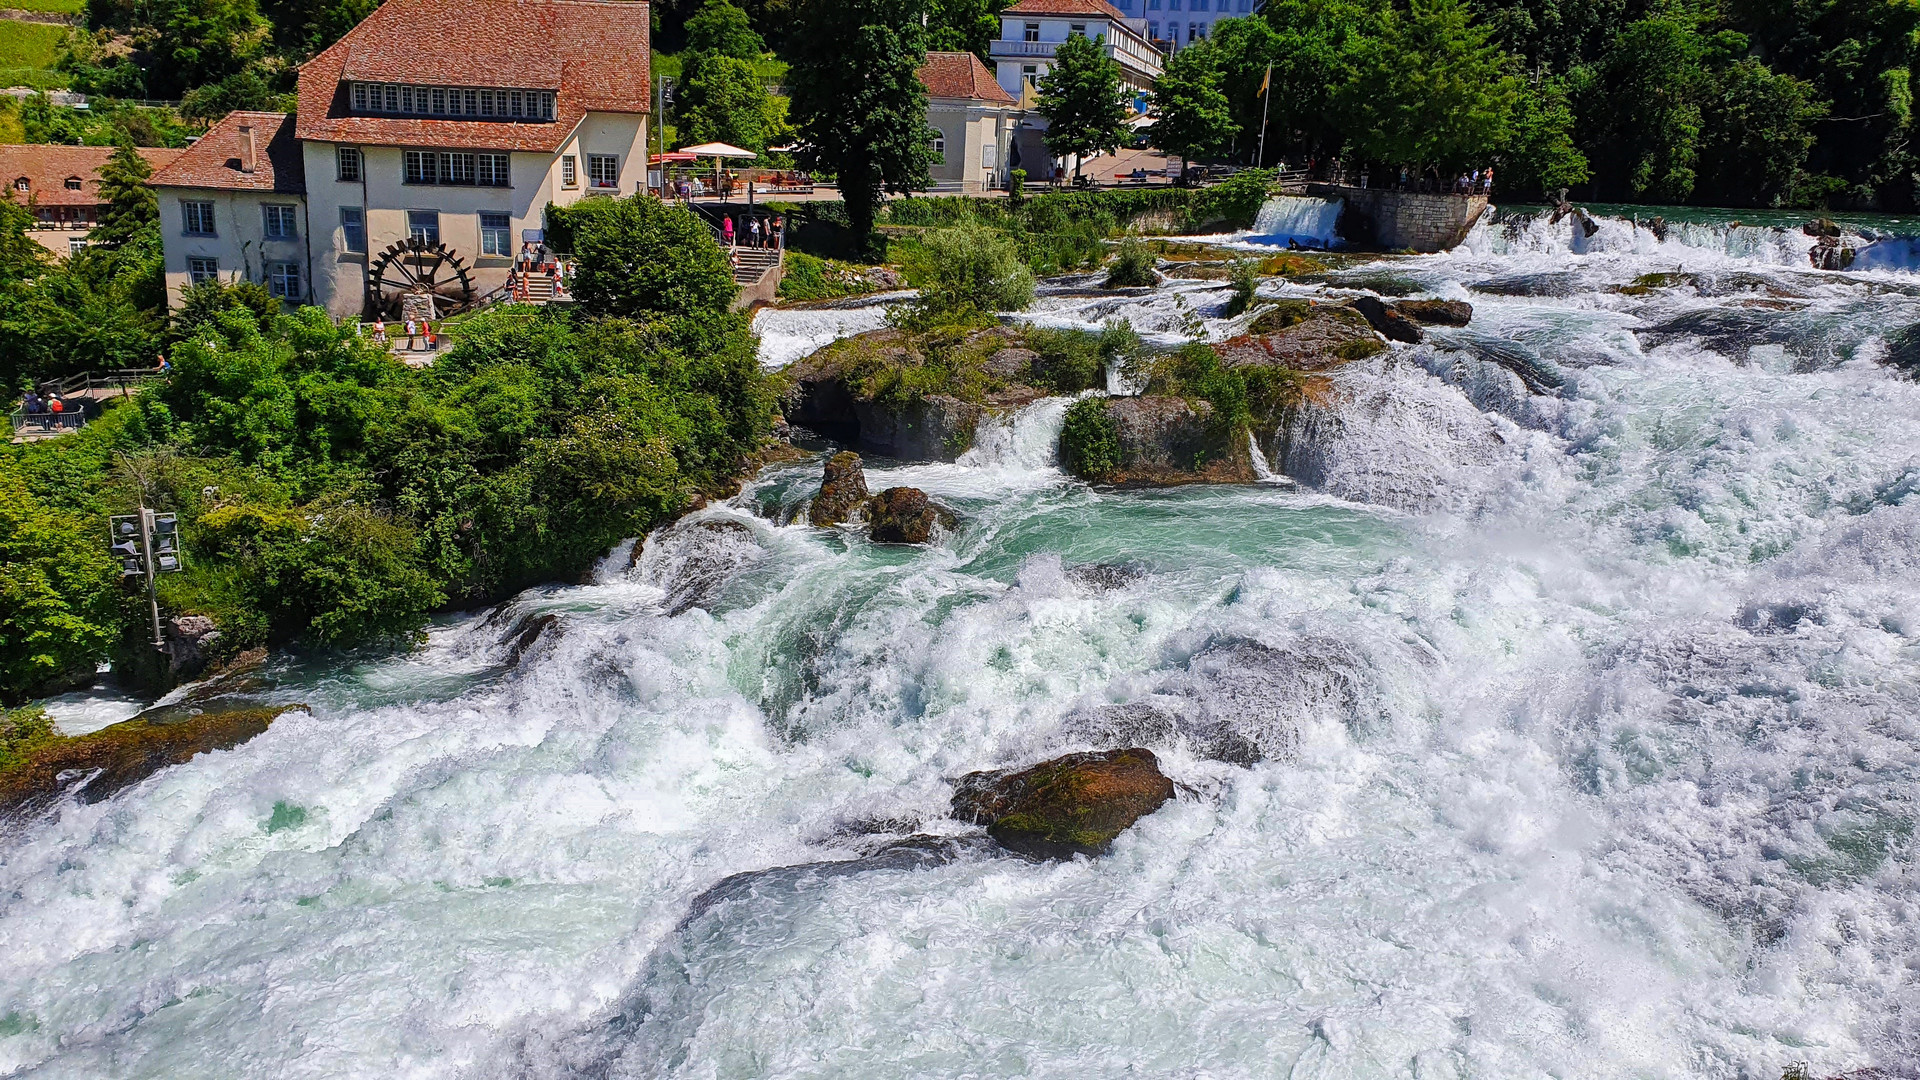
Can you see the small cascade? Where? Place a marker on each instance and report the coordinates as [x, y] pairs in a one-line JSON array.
[[788, 334], [1305, 220], [1262, 470], [1026, 441]]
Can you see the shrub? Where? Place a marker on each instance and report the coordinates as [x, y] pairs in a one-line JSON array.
[[22, 731], [1075, 360], [1090, 440], [812, 278], [1016, 185], [1230, 205], [1134, 267], [58, 598], [1245, 278], [638, 256], [970, 267]]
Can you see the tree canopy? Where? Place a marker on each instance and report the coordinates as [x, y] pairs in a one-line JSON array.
[[638, 255], [1193, 118], [1080, 97], [857, 98]]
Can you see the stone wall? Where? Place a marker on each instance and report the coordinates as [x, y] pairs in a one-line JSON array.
[[1402, 220]]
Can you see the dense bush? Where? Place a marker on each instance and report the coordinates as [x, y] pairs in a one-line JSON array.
[[1075, 360], [970, 268], [1090, 440], [1244, 277], [57, 597], [810, 278], [639, 256], [1133, 268]]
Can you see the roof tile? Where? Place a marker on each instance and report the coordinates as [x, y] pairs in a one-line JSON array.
[[47, 169], [214, 161], [594, 52], [961, 75], [1065, 7]]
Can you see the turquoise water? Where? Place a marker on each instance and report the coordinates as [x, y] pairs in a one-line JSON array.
[[1588, 722]]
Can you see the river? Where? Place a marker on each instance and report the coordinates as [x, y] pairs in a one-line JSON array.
[[1598, 712]]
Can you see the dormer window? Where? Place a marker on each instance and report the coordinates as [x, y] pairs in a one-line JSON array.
[[73, 183], [452, 101], [23, 184]]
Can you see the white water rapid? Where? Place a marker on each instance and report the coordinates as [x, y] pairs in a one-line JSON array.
[[1303, 219], [1585, 667]]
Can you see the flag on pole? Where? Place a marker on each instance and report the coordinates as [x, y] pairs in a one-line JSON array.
[[1266, 82]]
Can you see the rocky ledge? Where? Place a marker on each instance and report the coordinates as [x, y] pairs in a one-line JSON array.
[[1072, 805], [98, 764]]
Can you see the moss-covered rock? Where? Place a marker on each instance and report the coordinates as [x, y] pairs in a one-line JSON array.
[[1072, 805], [126, 753], [842, 489], [1435, 312], [1391, 324]]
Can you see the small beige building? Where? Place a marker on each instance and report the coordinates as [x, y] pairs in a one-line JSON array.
[[974, 120], [61, 186], [426, 146]]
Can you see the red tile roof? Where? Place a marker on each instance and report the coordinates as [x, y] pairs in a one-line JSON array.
[[594, 52], [961, 75], [214, 161], [46, 170], [1099, 8]]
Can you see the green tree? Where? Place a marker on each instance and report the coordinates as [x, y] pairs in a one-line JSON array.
[[722, 29], [971, 268], [1429, 88], [1758, 130], [131, 204], [637, 256], [1080, 97], [1193, 118], [721, 99], [58, 606], [1314, 47], [1641, 110], [964, 26], [857, 99], [1540, 156], [238, 91]]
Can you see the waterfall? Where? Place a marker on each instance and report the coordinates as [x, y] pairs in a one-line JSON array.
[[1302, 219], [1262, 470], [1027, 440]]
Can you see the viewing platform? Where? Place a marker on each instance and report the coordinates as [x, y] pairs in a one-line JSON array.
[[1392, 220]]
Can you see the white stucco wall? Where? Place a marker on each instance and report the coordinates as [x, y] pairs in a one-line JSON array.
[[240, 242]]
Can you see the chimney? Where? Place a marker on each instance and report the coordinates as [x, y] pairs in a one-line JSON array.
[[248, 156]]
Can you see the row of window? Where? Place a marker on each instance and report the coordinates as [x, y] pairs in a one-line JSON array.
[[24, 185], [1241, 6], [495, 225], [452, 101], [1196, 31], [283, 278], [459, 168]]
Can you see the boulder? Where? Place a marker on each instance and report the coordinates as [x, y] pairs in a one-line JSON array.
[[1159, 434], [1828, 254], [190, 641], [1435, 312], [1391, 324], [1326, 338], [904, 515], [1821, 227], [102, 762], [842, 490], [1012, 364], [1072, 805]]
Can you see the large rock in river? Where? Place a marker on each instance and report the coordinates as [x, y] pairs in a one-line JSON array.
[[904, 515], [1072, 805], [842, 490]]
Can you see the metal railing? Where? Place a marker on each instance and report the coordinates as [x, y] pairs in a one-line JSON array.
[[26, 423], [85, 383]]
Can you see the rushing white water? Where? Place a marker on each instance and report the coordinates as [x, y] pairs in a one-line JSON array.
[[1304, 220], [1586, 671], [787, 334]]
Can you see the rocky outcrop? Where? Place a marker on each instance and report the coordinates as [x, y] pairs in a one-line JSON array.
[[1435, 312], [1386, 319], [842, 490], [1165, 438], [692, 561], [96, 765], [1319, 339], [938, 427], [190, 644], [1072, 805], [904, 515], [1828, 253]]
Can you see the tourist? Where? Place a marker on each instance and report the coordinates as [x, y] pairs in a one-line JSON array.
[[778, 237], [32, 404], [753, 232], [1487, 182], [54, 408], [726, 230], [413, 333]]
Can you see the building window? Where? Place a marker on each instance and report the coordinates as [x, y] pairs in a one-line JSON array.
[[495, 229], [1031, 73], [1154, 5], [359, 97], [196, 218], [199, 270], [76, 245], [424, 225], [283, 280], [392, 94], [423, 167], [1153, 30], [279, 221], [456, 168], [1077, 30], [353, 228], [603, 171], [1174, 5], [1032, 31], [73, 183], [940, 147], [569, 172], [492, 170], [22, 184], [1193, 32], [347, 158]]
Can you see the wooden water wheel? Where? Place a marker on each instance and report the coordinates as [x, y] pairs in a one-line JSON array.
[[418, 278]]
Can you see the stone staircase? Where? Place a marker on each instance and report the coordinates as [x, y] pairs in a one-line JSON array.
[[752, 264]]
